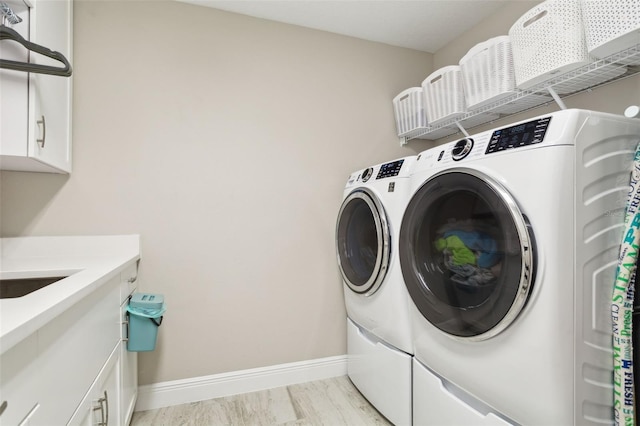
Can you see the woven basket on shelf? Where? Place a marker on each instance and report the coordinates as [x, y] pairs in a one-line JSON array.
[[444, 94], [487, 72], [611, 26], [548, 40], [410, 116]]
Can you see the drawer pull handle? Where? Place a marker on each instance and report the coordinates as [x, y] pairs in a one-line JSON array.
[[44, 132], [126, 324], [104, 409]]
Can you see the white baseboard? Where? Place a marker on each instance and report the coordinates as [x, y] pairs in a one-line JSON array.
[[176, 392]]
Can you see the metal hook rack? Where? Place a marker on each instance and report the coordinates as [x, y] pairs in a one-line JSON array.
[[8, 33], [8, 15]]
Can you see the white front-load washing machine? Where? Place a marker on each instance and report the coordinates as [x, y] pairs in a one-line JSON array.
[[379, 338], [508, 249]]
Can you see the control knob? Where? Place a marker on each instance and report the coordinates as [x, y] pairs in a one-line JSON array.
[[461, 149], [366, 175]]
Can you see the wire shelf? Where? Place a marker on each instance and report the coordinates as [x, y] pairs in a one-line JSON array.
[[618, 65]]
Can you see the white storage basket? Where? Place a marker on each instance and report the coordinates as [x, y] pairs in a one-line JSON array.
[[611, 26], [444, 94], [548, 40], [409, 112], [487, 72]]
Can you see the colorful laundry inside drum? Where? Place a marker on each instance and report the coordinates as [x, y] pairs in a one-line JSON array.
[[469, 255]]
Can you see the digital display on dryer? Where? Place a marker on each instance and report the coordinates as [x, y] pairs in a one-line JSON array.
[[390, 169], [529, 133]]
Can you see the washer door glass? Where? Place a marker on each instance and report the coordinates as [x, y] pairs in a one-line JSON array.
[[362, 241], [466, 253]]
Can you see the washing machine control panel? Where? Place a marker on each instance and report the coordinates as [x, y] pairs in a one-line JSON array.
[[390, 169], [524, 134]]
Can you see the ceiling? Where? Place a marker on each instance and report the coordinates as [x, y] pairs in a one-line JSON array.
[[425, 25]]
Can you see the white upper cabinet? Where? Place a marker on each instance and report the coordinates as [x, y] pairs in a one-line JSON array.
[[35, 108]]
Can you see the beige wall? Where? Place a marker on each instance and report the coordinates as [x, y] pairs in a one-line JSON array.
[[495, 25], [225, 141]]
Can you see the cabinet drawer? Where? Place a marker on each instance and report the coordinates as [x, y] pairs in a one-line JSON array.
[[128, 281], [19, 381], [73, 348]]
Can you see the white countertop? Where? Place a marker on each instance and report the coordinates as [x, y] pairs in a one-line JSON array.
[[89, 262]]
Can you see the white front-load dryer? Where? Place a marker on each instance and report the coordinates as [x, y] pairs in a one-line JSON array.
[[379, 338], [508, 249]]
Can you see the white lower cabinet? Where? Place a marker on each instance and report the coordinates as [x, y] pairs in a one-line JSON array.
[[128, 360], [129, 381], [20, 392], [101, 405], [74, 347], [75, 370]]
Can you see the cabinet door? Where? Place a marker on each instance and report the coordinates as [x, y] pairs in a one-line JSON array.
[[129, 377], [74, 347], [101, 404], [128, 360], [50, 115], [14, 92]]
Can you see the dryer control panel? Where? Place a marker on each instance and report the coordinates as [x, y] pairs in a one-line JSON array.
[[524, 134], [390, 169]]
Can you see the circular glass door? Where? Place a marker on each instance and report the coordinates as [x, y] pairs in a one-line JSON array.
[[467, 254], [362, 241]]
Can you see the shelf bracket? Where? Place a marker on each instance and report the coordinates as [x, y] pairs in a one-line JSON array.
[[462, 129], [556, 98]]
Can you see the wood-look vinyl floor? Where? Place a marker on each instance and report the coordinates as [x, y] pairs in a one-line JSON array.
[[330, 402]]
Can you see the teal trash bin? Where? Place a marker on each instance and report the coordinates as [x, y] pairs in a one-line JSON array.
[[145, 316]]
